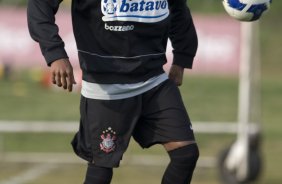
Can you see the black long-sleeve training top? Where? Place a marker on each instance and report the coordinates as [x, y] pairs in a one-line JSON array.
[[118, 41]]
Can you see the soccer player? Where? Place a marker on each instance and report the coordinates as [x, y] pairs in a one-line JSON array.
[[125, 92]]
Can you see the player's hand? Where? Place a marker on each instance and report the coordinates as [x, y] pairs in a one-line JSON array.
[[176, 74], [62, 74]]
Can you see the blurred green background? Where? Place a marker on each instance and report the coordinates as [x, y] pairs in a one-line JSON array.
[[22, 97]]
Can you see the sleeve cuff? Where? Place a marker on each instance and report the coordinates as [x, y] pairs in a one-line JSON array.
[[55, 54], [183, 60]]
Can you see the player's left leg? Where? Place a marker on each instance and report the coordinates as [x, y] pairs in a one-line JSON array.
[[165, 121], [183, 158]]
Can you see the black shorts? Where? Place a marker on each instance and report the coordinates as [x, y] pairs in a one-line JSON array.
[[106, 126]]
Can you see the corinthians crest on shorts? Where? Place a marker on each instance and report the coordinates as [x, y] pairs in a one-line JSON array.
[[108, 140], [147, 11]]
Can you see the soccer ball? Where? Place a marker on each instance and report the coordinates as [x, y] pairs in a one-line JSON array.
[[246, 10]]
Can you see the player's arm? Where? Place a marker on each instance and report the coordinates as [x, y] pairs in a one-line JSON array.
[[42, 28], [183, 37]]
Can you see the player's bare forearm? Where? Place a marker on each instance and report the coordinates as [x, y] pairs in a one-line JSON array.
[[62, 74], [176, 74]]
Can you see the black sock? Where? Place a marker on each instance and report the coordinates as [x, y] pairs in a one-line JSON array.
[[182, 164], [98, 175]]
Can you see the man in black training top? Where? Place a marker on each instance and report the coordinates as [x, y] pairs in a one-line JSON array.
[[125, 92]]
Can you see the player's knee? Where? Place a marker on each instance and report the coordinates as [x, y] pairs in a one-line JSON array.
[[185, 157], [98, 175]]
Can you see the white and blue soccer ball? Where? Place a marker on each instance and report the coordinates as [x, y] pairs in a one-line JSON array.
[[246, 10]]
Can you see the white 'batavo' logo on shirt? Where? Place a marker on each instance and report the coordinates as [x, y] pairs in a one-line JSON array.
[[147, 11]]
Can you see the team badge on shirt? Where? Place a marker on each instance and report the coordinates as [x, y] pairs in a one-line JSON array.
[[147, 11], [108, 140]]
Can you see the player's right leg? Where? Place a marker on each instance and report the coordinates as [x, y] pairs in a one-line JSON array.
[[98, 175], [105, 130]]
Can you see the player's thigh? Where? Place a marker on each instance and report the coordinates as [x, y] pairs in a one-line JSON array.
[[105, 129], [164, 117]]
